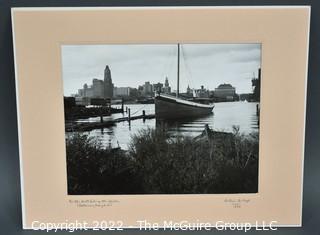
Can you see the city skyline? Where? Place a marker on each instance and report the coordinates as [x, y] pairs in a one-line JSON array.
[[200, 64]]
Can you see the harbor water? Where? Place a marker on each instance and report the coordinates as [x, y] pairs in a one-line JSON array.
[[224, 117]]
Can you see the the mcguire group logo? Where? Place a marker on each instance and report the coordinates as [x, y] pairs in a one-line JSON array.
[[145, 225]]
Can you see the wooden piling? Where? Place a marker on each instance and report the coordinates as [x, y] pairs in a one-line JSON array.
[[101, 115], [109, 108], [143, 115], [129, 114], [257, 109], [122, 105]]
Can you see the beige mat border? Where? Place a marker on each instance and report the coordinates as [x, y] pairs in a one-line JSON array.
[[284, 34]]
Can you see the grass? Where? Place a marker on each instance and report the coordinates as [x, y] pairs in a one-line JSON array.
[[215, 162]]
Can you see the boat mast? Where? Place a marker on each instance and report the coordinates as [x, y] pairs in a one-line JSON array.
[[178, 70]]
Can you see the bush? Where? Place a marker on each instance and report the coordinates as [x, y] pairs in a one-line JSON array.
[[156, 163], [224, 163], [94, 170]]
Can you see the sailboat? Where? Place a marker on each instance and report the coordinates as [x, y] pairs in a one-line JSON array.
[[174, 107]]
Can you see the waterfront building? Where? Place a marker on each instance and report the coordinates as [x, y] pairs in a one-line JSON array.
[[225, 92], [140, 89], [147, 89], [89, 92], [202, 93], [80, 93], [86, 91], [158, 87], [189, 91], [97, 88], [94, 91], [121, 91]]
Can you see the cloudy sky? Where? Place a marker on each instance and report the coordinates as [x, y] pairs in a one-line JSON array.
[[133, 65]]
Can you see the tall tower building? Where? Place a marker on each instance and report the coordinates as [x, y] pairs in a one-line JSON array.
[[85, 89], [188, 90], [166, 84], [167, 88], [108, 85]]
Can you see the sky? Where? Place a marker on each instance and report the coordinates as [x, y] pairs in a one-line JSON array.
[[133, 65]]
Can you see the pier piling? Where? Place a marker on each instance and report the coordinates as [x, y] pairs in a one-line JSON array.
[[122, 105], [129, 115], [143, 115], [101, 115]]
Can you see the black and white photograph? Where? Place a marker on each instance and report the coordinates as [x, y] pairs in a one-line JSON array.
[[162, 118]]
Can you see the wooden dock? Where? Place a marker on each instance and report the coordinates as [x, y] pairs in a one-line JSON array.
[[88, 126]]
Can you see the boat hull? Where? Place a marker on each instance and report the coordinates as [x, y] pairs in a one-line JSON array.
[[170, 108]]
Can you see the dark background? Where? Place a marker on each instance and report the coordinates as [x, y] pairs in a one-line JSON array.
[[10, 204]]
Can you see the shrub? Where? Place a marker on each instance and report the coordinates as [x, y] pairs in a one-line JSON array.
[[94, 170], [222, 163], [156, 163]]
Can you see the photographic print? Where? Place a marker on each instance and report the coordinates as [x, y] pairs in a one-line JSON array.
[[162, 119], [163, 114]]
